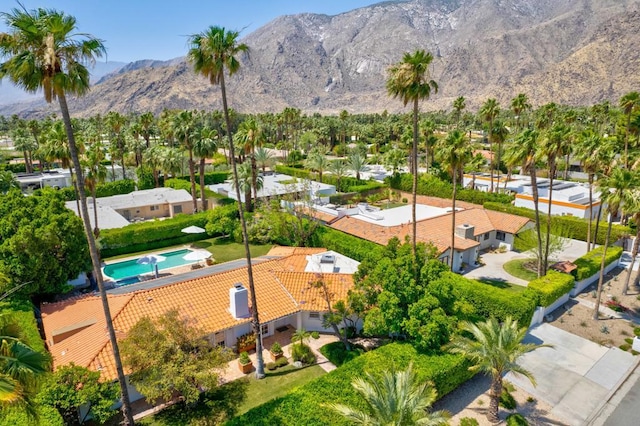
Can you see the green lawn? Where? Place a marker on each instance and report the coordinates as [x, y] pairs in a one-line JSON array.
[[235, 398], [516, 267]]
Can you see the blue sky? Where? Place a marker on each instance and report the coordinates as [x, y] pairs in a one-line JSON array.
[[158, 29]]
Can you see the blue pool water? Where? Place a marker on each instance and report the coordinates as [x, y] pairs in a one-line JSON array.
[[127, 281], [131, 268]]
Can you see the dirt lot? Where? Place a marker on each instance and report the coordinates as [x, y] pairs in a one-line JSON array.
[[577, 315]]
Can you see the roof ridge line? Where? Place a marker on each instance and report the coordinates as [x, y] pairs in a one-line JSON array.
[[284, 287]]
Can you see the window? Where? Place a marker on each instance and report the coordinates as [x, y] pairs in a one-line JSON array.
[[264, 329], [155, 208], [500, 236], [177, 209], [487, 235], [314, 315]]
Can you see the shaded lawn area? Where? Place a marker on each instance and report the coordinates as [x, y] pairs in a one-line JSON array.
[[517, 268], [235, 398], [503, 285]]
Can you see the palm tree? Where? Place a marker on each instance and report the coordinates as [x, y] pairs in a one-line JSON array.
[[454, 152], [45, 51], [339, 169], [614, 190], [205, 146], [629, 104], [398, 398], [356, 162], [300, 336], [519, 105], [20, 367], [632, 207], [489, 111], [524, 152], [116, 123], [459, 104], [184, 129], [494, 349], [264, 158], [96, 173], [317, 161], [410, 81], [211, 52]]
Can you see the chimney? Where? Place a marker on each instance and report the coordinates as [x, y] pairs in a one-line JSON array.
[[239, 301], [465, 231]]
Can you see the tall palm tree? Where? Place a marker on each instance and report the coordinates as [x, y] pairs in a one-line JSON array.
[[96, 173], [524, 152], [264, 158], [205, 146], [211, 53], [184, 129], [494, 348], [632, 207], [317, 161], [614, 190], [45, 51], [459, 104], [410, 80], [250, 136], [116, 123], [339, 169], [397, 399], [489, 111], [20, 367], [356, 162], [629, 103], [519, 105], [454, 152]]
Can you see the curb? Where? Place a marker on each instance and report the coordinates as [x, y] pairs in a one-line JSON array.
[[600, 409]]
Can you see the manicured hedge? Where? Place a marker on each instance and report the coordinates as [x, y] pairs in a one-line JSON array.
[[338, 355], [576, 227], [490, 301], [589, 264], [347, 183], [435, 187], [106, 189], [293, 171], [348, 245], [21, 312], [151, 235], [305, 405], [209, 178], [552, 286]]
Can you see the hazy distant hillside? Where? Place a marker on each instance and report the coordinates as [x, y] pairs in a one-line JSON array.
[[566, 51]]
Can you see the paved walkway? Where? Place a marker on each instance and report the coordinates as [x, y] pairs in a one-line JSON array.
[[575, 376]]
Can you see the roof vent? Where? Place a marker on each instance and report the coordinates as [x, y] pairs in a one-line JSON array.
[[239, 301], [328, 258]]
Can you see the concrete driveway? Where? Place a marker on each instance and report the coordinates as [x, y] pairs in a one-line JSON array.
[[575, 376]]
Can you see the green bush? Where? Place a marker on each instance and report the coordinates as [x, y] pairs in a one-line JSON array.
[[348, 245], [469, 421], [305, 405], [507, 400], [315, 335], [625, 347], [20, 312], [338, 355], [151, 235], [281, 362], [303, 353], [271, 366], [292, 171], [589, 264], [576, 227], [490, 301], [516, 419], [106, 189], [211, 178], [552, 286]]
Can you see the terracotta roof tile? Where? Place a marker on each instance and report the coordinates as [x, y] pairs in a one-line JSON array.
[[310, 298]]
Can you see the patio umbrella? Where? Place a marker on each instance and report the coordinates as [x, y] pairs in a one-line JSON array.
[[152, 259], [197, 255], [193, 230]]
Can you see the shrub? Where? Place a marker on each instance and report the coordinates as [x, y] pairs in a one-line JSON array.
[[516, 419], [507, 400], [210, 178], [469, 421], [303, 353], [246, 340], [271, 366], [244, 358], [636, 331], [281, 362], [20, 312], [625, 347], [338, 355], [276, 348], [589, 264], [348, 245], [304, 405], [614, 305], [315, 335], [106, 189], [552, 286]]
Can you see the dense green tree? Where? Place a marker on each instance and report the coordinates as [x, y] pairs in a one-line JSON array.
[[72, 387], [8, 181], [410, 80], [205, 146], [45, 51], [494, 348], [211, 53], [629, 103]]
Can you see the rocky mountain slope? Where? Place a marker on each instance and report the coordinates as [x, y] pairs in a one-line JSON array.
[[566, 51]]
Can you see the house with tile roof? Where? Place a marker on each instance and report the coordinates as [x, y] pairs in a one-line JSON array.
[[75, 329], [476, 229]]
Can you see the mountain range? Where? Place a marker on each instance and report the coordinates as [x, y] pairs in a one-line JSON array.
[[576, 52]]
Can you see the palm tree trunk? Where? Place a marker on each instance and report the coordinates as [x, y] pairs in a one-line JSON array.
[[254, 176], [75, 186], [245, 238], [453, 217], [534, 189], [634, 254], [494, 399], [192, 178], [95, 260], [96, 229], [124, 170], [414, 171], [595, 233], [491, 155], [602, 266], [205, 202], [545, 258], [590, 212]]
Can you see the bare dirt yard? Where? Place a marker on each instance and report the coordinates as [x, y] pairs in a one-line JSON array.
[[612, 328]]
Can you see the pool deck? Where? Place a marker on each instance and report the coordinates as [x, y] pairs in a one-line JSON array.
[[184, 273]]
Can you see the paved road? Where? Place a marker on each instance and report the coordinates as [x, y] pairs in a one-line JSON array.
[[626, 413]]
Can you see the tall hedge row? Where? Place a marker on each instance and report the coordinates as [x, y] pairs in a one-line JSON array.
[[106, 189], [210, 178], [347, 183], [552, 286], [151, 235], [348, 245], [435, 187], [589, 264], [490, 301], [305, 405], [576, 227]]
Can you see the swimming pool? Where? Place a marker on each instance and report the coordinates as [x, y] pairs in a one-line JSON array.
[[131, 268]]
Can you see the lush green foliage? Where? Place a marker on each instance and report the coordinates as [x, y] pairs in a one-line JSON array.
[[348, 245], [492, 302], [435, 187], [516, 419], [575, 227], [304, 405], [41, 243], [210, 178], [338, 355], [105, 189], [589, 264], [224, 220], [151, 235], [170, 355], [346, 184], [21, 313], [303, 353], [72, 387], [552, 286]]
